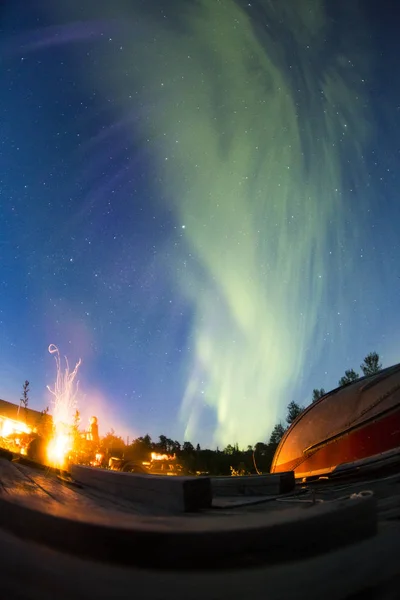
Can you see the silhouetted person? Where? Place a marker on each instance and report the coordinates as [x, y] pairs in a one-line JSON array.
[[93, 433]]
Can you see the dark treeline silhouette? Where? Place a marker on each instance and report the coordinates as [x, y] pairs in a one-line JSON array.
[[197, 460], [194, 459], [370, 365], [232, 459]]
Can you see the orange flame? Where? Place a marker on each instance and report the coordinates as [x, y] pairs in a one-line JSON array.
[[9, 427], [97, 460], [156, 456], [59, 447], [14, 434], [64, 406]]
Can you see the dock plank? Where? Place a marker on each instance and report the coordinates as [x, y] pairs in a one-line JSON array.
[[84, 496], [345, 573], [179, 494], [184, 541], [53, 486], [16, 484], [189, 554], [253, 485]]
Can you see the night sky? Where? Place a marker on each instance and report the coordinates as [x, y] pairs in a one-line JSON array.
[[200, 200]]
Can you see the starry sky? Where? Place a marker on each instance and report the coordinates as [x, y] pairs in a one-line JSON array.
[[199, 200]]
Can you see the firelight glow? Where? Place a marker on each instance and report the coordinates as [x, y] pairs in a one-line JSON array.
[[64, 406], [158, 456]]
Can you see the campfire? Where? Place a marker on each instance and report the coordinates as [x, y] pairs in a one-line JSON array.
[[55, 439], [156, 456], [64, 403], [163, 464]]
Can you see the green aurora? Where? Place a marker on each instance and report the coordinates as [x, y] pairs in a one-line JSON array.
[[257, 187], [248, 139]]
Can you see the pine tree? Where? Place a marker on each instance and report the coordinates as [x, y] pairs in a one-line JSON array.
[[371, 364], [24, 401], [293, 411], [25, 391], [277, 434], [317, 394], [349, 376]]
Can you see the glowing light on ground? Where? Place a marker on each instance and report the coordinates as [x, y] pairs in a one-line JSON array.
[[64, 407], [156, 456]]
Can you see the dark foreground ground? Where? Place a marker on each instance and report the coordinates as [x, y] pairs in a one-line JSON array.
[[326, 539]]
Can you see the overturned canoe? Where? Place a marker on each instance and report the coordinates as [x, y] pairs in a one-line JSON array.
[[351, 423]]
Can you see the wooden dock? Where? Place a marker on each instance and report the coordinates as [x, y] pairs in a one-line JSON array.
[[73, 540], [253, 485], [177, 494]]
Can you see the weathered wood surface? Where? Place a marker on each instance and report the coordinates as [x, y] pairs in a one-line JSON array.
[[6, 454], [80, 496], [180, 494], [20, 483], [253, 485], [15, 483], [252, 502], [369, 569], [178, 543], [207, 541], [37, 507]]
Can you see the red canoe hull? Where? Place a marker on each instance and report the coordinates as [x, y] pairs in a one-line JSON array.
[[349, 424], [373, 438]]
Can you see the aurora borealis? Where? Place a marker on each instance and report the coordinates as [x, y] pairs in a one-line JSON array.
[[199, 202]]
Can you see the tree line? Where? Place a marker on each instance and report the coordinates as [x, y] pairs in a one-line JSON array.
[[370, 365], [232, 459], [194, 459]]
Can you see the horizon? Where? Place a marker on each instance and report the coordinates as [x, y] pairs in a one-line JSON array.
[[200, 202], [128, 438]]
